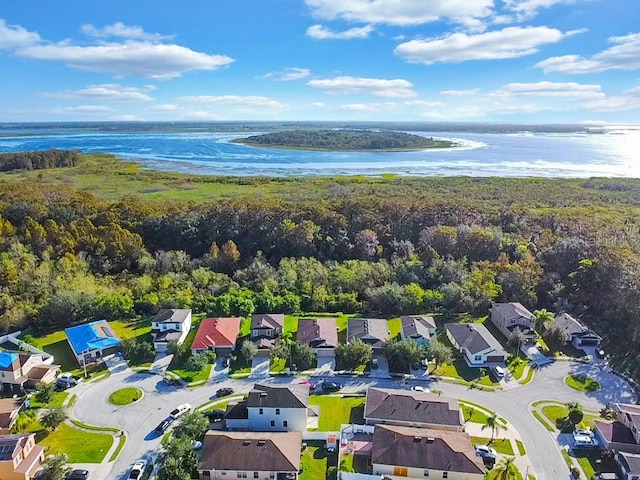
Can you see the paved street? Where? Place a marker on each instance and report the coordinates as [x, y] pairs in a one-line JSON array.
[[139, 420]]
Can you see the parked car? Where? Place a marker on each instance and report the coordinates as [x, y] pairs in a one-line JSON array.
[[180, 410], [374, 364], [67, 377], [584, 441], [485, 451], [424, 363], [331, 386], [226, 361], [77, 475], [163, 426], [137, 469], [583, 431], [223, 392], [418, 388], [600, 353], [215, 415], [498, 372], [196, 444]]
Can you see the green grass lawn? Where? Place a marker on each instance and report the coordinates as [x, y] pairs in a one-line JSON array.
[[313, 462], [555, 412], [56, 344], [245, 328], [459, 369], [336, 410], [521, 450], [178, 364], [125, 396], [473, 414], [80, 446], [517, 365], [394, 325], [277, 365], [291, 324], [57, 401], [588, 462], [582, 383], [191, 376], [501, 445], [139, 328]]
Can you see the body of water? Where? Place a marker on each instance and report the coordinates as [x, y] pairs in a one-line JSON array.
[[510, 151]]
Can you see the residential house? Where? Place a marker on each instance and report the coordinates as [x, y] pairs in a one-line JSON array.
[[90, 342], [168, 325], [321, 334], [261, 455], [20, 370], [624, 434], [272, 408], [412, 409], [216, 334], [577, 334], [373, 331], [20, 457], [628, 465], [509, 316], [420, 329], [10, 408], [266, 328], [476, 344], [424, 453]]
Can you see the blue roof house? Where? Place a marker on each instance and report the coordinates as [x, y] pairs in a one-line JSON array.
[[90, 342]]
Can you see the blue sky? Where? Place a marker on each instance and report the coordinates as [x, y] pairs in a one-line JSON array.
[[433, 60]]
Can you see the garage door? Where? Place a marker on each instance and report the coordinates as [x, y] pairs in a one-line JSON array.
[[326, 352], [495, 359], [589, 343]]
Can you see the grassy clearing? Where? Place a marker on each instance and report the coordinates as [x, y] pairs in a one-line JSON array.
[[395, 326], [582, 383], [521, 450], [313, 462], [80, 446], [555, 412], [501, 445], [336, 410], [57, 401], [125, 396]]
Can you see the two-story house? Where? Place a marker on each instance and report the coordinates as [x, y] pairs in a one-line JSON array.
[[509, 316], [168, 325], [272, 408], [20, 457], [216, 334], [91, 342], [424, 453], [10, 408], [577, 334], [266, 328], [624, 434], [19, 370], [372, 331], [418, 328], [476, 344], [412, 409], [260, 455], [628, 465]]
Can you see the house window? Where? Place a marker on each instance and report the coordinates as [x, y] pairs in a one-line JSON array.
[[477, 358], [277, 411], [445, 474], [261, 411], [285, 423], [426, 473], [273, 423], [255, 474]]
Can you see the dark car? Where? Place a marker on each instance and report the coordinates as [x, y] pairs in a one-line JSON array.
[[162, 426], [77, 475], [330, 386], [223, 392], [600, 353], [215, 415]]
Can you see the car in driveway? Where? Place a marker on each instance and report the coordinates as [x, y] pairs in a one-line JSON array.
[[331, 386], [163, 426], [485, 451], [223, 392], [418, 388], [600, 353], [180, 410], [583, 431], [137, 469], [498, 372], [584, 441], [77, 475]]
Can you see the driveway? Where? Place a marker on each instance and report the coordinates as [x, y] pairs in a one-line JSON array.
[[326, 364], [383, 367], [260, 367], [535, 355]]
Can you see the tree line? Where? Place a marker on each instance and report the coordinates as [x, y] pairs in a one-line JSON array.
[[39, 160]]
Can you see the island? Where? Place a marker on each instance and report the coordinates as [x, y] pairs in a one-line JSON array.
[[345, 140]]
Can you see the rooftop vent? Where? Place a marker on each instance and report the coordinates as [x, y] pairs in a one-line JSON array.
[[262, 443], [246, 443], [263, 394], [417, 439], [430, 439]]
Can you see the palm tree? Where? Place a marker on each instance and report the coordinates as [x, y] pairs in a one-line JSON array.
[[543, 319], [506, 469], [493, 422]]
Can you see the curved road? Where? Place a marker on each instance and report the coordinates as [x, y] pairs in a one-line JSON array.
[[140, 419]]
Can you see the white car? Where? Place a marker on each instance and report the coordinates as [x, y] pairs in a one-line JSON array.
[[196, 444], [485, 451], [137, 470], [418, 388], [583, 431], [180, 410], [584, 441]]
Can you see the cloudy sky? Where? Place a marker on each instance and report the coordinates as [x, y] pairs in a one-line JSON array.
[[436, 60]]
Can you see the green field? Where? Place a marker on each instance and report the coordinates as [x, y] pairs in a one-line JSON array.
[[336, 410], [582, 383], [80, 446]]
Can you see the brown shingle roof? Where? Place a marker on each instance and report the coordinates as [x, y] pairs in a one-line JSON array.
[[317, 332], [373, 331], [251, 451], [413, 407], [615, 432], [267, 320], [425, 448], [279, 396]]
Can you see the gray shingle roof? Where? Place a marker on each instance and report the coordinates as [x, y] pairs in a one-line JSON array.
[[513, 310], [416, 325], [572, 326], [474, 337], [267, 320], [317, 332], [171, 315], [294, 395], [373, 331]]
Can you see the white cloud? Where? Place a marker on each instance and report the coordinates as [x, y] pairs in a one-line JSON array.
[[526, 9], [569, 90], [623, 55], [235, 101], [14, 36], [460, 93], [625, 100], [367, 107], [400, 12], [144, 59], [510, 42], [121, 30], [397, 88], [317, 105], [424, 104], [292, 73], [84, 109], [108, 91], [320, 32], [164, 107]]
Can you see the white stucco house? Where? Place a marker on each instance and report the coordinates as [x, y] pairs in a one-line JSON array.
[[170, 324]]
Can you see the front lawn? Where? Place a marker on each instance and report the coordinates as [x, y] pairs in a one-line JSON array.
[[473, 414], [57, 345], [336, 410], [179, 362], [500, 445], [79, 445], [57, 401], [314, 462], [556, 412], [582, 383]]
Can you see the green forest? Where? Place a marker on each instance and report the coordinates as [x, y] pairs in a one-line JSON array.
[[344, 140], [101, 239]]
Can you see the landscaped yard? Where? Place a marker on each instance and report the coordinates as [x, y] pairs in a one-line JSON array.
[[179, 363], [125, 396], [555, 412], [460, 369], [80, 446], [57, 401], [336, 410], [501, 445], [314, 462], [582, 383], [394, 325], [472, 413]]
